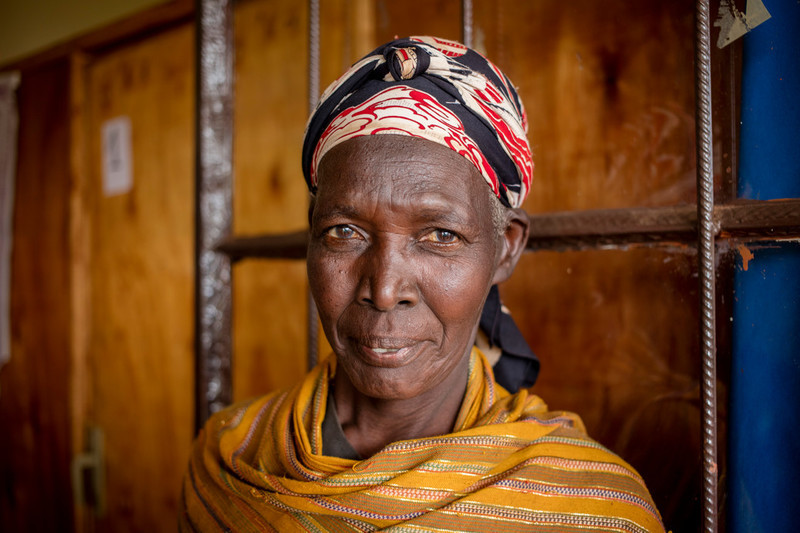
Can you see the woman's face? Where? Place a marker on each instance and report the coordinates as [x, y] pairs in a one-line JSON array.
[[402, 254]]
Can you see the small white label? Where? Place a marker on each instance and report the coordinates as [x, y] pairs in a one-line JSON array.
[[117, 163]]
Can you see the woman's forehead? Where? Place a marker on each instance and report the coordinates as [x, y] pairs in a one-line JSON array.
[[392, 170], [385, 160]]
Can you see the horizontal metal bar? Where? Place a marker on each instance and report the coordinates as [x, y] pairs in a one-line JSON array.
[[571, 230], [611, 227], [274, 246], [621, 227], [759, 218]]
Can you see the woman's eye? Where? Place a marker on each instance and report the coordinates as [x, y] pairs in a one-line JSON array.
[[341, 232], [441, 236]]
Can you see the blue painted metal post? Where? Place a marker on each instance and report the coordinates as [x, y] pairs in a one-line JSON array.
[[764, 482]]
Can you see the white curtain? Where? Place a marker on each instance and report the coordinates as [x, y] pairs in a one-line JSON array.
[[9, 120]]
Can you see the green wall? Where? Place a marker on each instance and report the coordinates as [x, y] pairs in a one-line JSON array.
[[30, 26]]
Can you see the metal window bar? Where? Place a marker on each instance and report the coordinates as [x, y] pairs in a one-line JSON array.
[[313, 96], [466, 23], [213, 205], [707, 273]]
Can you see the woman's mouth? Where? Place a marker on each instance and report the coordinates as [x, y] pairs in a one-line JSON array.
[[387, 352]]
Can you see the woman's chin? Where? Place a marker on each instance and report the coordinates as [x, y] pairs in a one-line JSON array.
[[384, 384]]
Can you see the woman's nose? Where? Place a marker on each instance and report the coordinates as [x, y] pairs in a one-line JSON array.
[[387, 279]]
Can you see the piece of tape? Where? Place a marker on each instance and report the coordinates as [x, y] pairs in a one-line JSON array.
[[733, 24]]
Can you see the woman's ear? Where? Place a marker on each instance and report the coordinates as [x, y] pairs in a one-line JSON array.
[[513, 242]]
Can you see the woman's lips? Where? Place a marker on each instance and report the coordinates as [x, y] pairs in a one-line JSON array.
[[387, 352]]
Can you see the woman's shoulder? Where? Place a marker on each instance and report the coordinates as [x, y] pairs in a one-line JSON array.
[[559, 435], [552, 451], [242, 417], [530, 409]]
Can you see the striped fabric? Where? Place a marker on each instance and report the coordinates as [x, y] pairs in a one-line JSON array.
[[510, 465], [434, 89]]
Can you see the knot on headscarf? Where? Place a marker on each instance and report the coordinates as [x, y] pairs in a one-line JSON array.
[[407, 63], [444, 92], [437, 90]]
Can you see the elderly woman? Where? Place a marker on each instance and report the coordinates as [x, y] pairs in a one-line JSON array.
[[417, 161]]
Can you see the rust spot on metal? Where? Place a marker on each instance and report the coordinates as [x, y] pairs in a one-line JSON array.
[[746, 254]]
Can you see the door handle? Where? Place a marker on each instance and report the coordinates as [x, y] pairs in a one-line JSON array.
[[88, 472]]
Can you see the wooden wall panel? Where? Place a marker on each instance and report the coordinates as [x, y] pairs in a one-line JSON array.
[[347, 32], [269, 305], [80, 272], [35, 450], [141, 341], [616, 332], [608, 88], [271, 108], [269, 115], [441, 18]]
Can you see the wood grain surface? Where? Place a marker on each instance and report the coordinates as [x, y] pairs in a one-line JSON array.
[[608, 89], [80, 272], [141, 340], [270, 108], [35, 446]]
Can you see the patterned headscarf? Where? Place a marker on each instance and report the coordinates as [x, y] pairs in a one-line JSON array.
[[444, 92], [437, 90]]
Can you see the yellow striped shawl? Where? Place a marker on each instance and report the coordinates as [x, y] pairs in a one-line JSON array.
[[509, 465]]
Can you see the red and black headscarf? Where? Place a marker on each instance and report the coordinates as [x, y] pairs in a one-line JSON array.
[[444, 92], [437, 90]]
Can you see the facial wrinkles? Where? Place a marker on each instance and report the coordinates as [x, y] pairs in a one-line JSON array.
[[397, 240], [382, 200], [394, 198], [418, 194]]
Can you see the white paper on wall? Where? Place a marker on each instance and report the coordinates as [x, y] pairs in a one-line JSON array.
[[9, 121], [117, 162]]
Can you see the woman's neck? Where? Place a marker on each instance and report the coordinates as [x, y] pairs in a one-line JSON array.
[[370, 424]]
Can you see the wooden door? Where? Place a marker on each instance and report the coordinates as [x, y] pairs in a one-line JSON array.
[[140, 278]]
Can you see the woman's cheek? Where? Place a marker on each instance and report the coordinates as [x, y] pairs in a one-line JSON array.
[[459, 278]]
